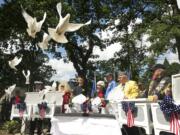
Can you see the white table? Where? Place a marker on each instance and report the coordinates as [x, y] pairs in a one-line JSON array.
[[76, 124]]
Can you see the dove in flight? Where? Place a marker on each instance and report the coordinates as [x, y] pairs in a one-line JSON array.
[[33, 25], [43, 92], [47, 89], [27, 76], [9, 90], [57, 34], [13, 63], [44, 44]]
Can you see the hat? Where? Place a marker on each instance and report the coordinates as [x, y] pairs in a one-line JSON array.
[[38, 82], [101, 83], [121, 73], [158, 66]]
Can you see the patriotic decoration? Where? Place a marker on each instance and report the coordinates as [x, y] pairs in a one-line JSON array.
[[129, 108], [171, 111], [20, 105], [42, 109]]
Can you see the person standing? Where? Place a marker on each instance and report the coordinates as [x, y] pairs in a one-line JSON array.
[[129, 87], [160, 83], [111, 84]]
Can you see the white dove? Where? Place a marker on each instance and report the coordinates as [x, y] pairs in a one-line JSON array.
[[15, 62], [26, 76], [63, 26], [9, 90], [33, 25], [43, 92], [44, 44], [178, 3]]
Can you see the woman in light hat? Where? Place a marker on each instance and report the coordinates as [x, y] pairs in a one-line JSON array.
[[100, 92]]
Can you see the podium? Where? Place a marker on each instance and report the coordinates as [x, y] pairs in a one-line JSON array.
[[78, 124], [143, 116]]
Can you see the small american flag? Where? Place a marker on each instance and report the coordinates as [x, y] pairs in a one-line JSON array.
[[174, 124], [130, 118]]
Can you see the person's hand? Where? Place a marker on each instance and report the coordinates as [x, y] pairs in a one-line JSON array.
[[155, 98]]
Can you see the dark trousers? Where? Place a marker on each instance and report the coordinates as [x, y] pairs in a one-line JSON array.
[[132, 131], [39, 125], [36, 124]]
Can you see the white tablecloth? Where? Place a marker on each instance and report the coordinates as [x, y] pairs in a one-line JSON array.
[[78, 125]]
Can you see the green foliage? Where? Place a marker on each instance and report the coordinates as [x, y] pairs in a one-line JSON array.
[[12, 126]]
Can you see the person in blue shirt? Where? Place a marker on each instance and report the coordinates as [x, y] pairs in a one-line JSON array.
[[111, 84]]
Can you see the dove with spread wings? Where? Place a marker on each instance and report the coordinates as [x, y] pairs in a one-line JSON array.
[[44, 44], [33, 25], [9, 90], [47, 89], [57, 34], [27, 76], [13, 63]]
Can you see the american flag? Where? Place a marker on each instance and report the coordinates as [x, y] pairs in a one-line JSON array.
[[130, 118], [174, 124]]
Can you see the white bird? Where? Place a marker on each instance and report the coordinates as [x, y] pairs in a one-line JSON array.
[[43, 92], [26, 76], [44, 44], [10, 89], [33, 25], [13, 63], [178, 3], [47, 89], [57, 34]]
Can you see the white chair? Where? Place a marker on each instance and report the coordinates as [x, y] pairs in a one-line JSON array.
[[53, 99], [15, 112], [159, 121], [143, 117]]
